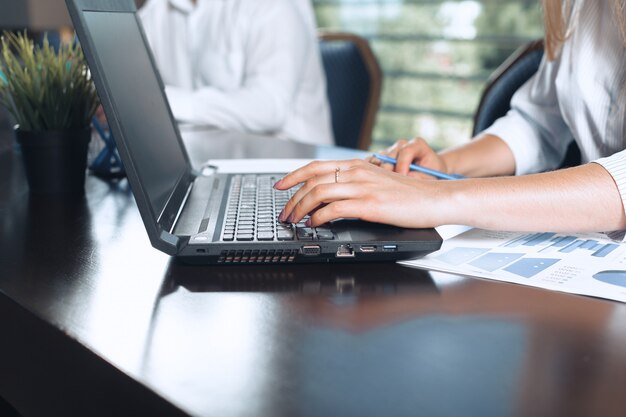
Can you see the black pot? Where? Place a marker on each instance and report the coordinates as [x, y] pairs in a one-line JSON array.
[[56, 161]]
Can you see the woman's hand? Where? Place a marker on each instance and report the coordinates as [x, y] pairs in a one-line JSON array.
[[415, 151], [361, 190]]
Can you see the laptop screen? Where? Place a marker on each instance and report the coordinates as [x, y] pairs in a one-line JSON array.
[[140, 105]]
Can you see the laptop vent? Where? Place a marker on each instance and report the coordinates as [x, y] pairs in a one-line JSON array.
[[257, 256]]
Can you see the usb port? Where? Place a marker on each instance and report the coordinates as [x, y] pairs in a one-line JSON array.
[[368, 248], [345, 251], [390, 248]]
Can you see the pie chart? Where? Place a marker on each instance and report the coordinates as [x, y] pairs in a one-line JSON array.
[[615, 277]]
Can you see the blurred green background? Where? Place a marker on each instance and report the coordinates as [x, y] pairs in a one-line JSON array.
[[436, 57]]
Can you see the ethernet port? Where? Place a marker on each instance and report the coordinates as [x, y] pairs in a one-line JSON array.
[[345, 251]]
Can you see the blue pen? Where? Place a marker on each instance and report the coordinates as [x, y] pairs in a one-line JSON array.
[[417, 168]]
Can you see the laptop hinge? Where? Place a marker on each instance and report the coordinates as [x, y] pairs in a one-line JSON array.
[[182, 206], [171, 241]]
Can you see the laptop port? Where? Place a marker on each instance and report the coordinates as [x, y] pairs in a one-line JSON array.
[[390, 248], [368, 248], [345, 251], [311, 250]]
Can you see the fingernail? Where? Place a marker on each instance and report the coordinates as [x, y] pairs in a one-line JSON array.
[[281, 216], [307, 223], [290, 218], [278, 183]]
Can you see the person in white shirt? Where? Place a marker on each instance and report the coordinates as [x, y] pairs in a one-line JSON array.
[[578, 93], [246, 65]]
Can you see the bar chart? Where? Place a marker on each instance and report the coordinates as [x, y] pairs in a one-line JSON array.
[[551, 242]]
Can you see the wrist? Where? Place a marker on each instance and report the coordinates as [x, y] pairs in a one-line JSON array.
[[449, 162], [450, 202]]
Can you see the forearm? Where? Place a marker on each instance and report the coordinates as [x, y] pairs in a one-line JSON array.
[[579, 199], [484, 156], [252, 110]]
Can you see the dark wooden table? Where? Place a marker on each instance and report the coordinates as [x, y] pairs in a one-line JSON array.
[[94, 322]]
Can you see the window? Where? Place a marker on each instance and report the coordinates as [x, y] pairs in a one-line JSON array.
[[436, 56]]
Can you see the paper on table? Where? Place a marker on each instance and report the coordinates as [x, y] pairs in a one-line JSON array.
[[252, 166], [586, 264], [449, 231]]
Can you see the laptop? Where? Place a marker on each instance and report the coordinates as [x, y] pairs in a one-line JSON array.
[[216, 218]]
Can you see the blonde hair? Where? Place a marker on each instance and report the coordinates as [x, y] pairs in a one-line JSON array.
[[556, 14]]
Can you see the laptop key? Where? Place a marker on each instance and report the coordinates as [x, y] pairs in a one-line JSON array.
[[245, 236], [265, 236], [285, 235], [304, 233], [325, 235]]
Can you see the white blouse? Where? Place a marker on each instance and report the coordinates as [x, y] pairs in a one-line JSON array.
[[245, 65], [580, 96]]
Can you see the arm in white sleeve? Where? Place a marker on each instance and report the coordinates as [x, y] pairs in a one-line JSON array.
[[534, 128], [275, 54]]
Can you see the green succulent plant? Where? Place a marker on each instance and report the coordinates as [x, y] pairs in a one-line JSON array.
[[45, 89]]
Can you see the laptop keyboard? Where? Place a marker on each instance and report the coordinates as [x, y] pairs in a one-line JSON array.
[[253, 209]]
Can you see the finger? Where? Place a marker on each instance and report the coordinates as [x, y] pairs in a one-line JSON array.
[[341, 209], [360, 172], [413, 152], [372, 160], [377, 162], [393, 150], [304, 190], [324, 194], [313, 169], [317, 208], [387, 167], [305, 173]]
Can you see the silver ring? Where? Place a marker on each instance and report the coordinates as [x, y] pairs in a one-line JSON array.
[[337, 174]]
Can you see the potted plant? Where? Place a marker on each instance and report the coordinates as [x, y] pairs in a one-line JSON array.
[[52, 97]]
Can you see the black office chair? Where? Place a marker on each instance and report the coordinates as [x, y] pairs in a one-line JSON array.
[[495, 101], [354, 81]]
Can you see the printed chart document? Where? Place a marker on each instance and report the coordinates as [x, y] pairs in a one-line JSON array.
[[586, 264]]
